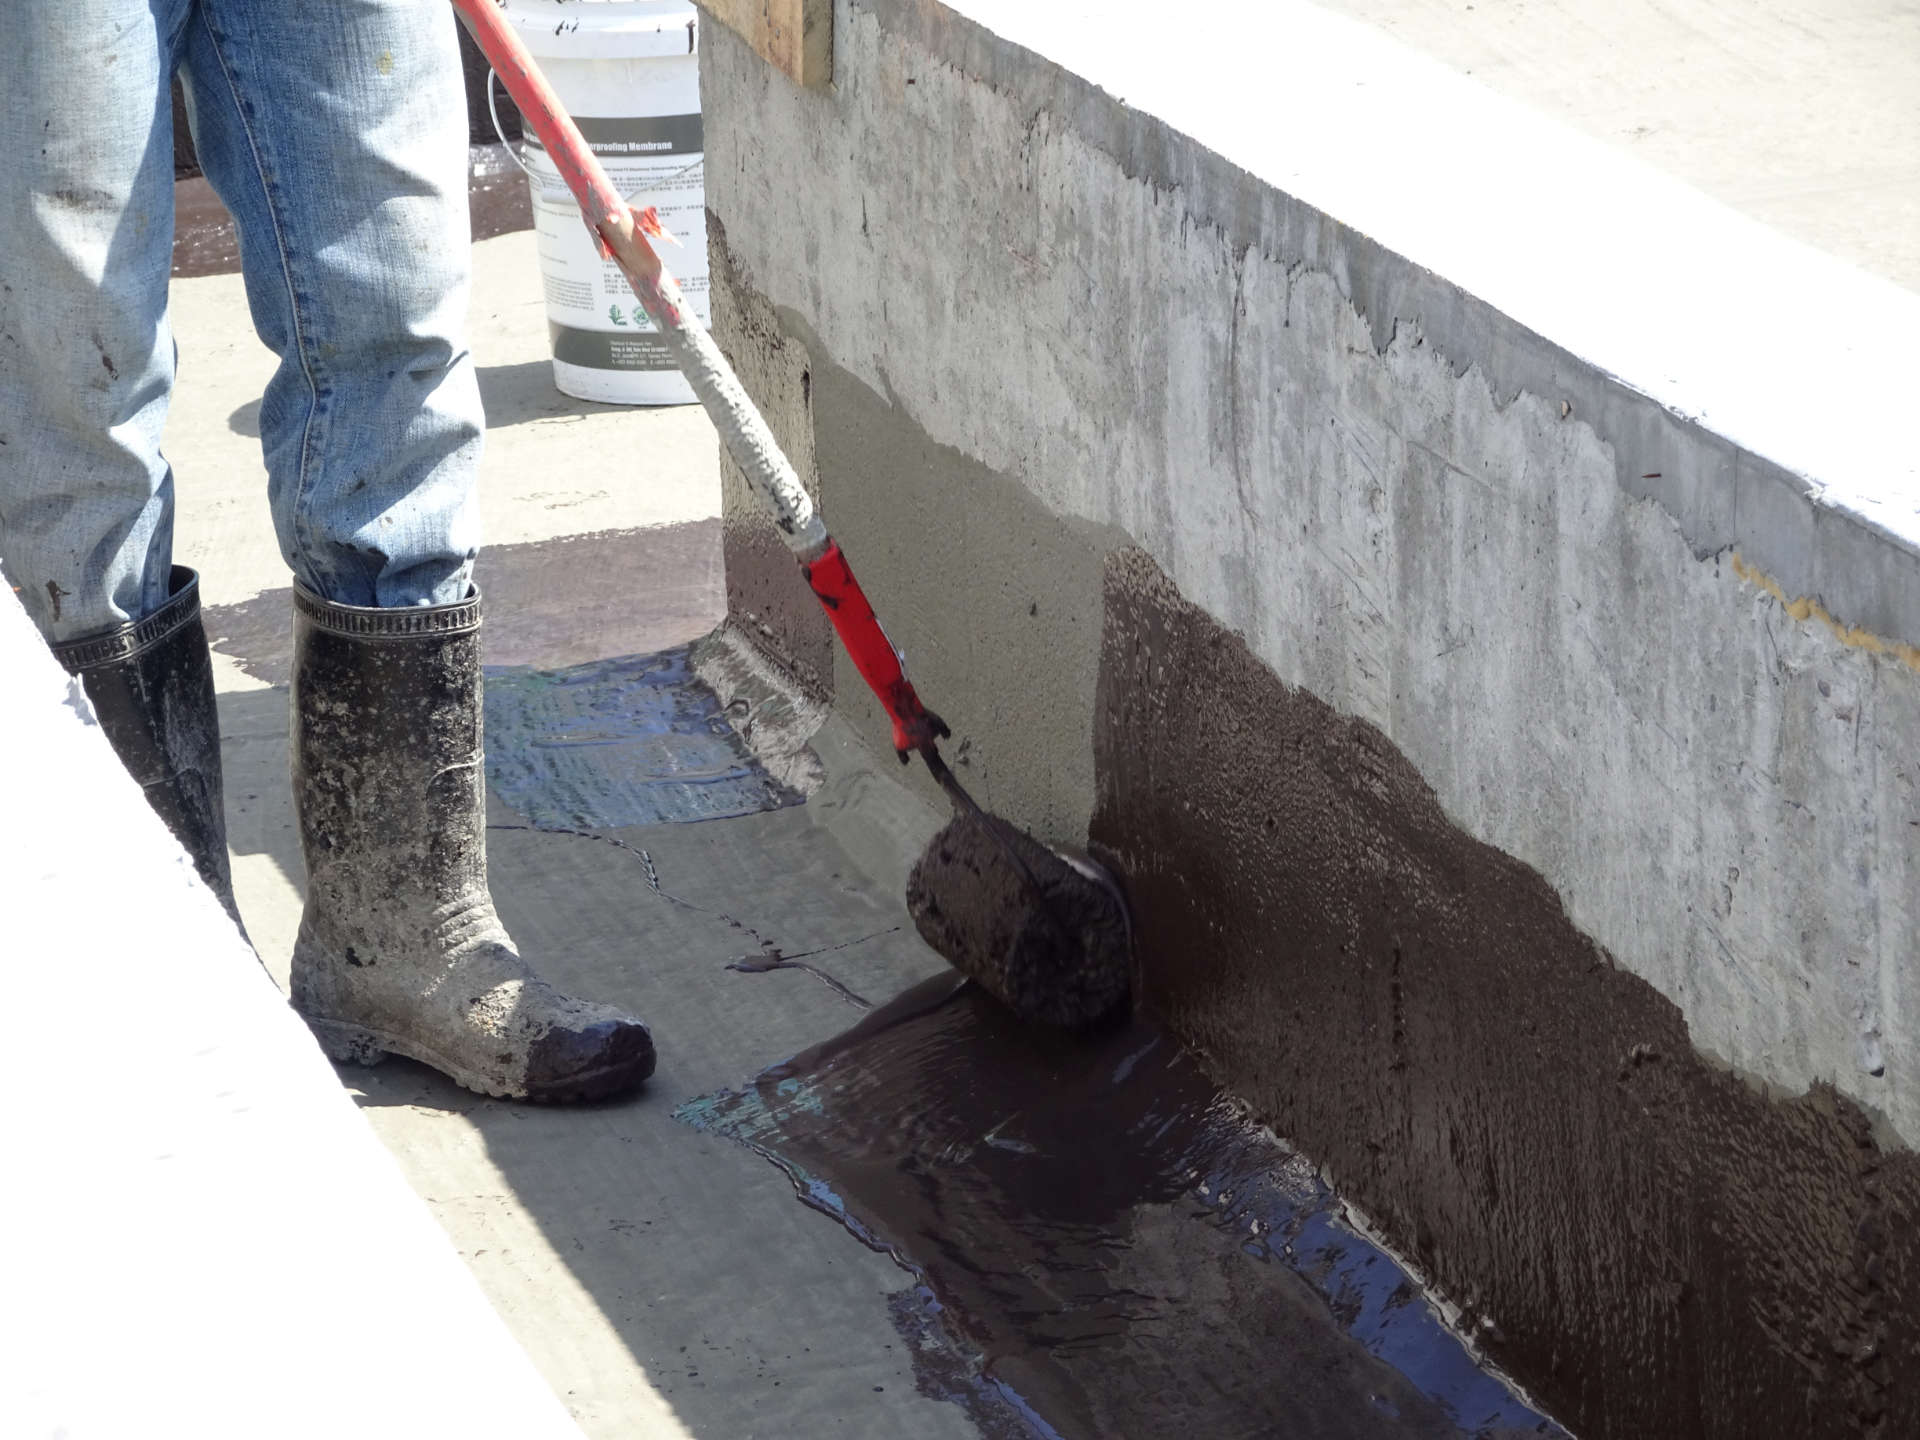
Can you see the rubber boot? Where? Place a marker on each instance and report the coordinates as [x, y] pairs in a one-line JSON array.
[[151, 684], [400, 951]]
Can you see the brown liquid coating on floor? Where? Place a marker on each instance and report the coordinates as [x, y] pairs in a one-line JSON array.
[[1107, 1245]]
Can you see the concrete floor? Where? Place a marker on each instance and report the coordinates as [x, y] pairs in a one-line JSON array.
[[1803, 114], [665, 1283]]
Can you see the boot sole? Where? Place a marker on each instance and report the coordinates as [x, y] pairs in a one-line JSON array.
[[358, 1045]]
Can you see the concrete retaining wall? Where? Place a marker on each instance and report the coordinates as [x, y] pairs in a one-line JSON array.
[[1587, 501]]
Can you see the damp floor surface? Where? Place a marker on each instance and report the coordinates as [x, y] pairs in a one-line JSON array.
[[942, 1226]]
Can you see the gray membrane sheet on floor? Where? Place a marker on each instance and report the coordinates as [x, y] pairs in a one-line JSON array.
[[634, 740], [1105, 1244]]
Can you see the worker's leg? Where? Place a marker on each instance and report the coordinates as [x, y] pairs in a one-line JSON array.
[[337, 133], [86, 359], [86, 364]]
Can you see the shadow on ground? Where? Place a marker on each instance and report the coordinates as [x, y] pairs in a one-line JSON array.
[[517, 394], [511, 395], [551, 603]]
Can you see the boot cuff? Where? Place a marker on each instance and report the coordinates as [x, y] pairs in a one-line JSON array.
[[369, 622], [129, 640]]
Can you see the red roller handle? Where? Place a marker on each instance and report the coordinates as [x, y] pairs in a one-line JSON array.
[[914, 726]]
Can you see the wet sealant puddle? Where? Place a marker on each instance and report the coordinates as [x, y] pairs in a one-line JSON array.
[[1104, 1243], [635, 740]]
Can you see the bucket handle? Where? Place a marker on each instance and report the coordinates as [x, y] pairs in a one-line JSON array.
[[493, 112]]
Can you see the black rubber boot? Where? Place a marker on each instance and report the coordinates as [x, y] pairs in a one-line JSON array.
[[151, 684], [400, 951]]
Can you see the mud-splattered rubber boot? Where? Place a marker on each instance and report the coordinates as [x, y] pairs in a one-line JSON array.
[[400, 951], [151, 684]]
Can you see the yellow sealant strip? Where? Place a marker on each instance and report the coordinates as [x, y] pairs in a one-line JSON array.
[[1805, 607]]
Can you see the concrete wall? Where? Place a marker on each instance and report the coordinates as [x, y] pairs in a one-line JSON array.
[[1587, 501]]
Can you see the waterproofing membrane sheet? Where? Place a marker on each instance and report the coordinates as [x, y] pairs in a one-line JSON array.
[[634, 740]]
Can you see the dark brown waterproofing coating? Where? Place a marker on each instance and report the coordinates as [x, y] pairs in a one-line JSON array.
[[1654, 1246], [1102, 1237]]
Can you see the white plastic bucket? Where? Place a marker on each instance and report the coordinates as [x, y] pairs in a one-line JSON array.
[[627, 72]]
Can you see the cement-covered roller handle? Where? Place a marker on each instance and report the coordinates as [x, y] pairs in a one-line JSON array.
[[734, 415]]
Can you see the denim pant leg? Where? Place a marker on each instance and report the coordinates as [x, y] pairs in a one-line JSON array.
[[335, 131], [86, 358]]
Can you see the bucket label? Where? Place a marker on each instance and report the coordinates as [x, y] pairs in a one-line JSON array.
[[592, 315], [608, 349], [635, 135]]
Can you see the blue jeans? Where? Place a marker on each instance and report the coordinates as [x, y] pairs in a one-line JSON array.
[[335, 131]]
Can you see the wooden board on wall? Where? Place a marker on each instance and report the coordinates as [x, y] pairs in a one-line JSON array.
[[794, 35]]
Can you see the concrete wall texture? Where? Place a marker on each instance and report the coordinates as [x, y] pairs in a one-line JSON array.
[[1013, 328]]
